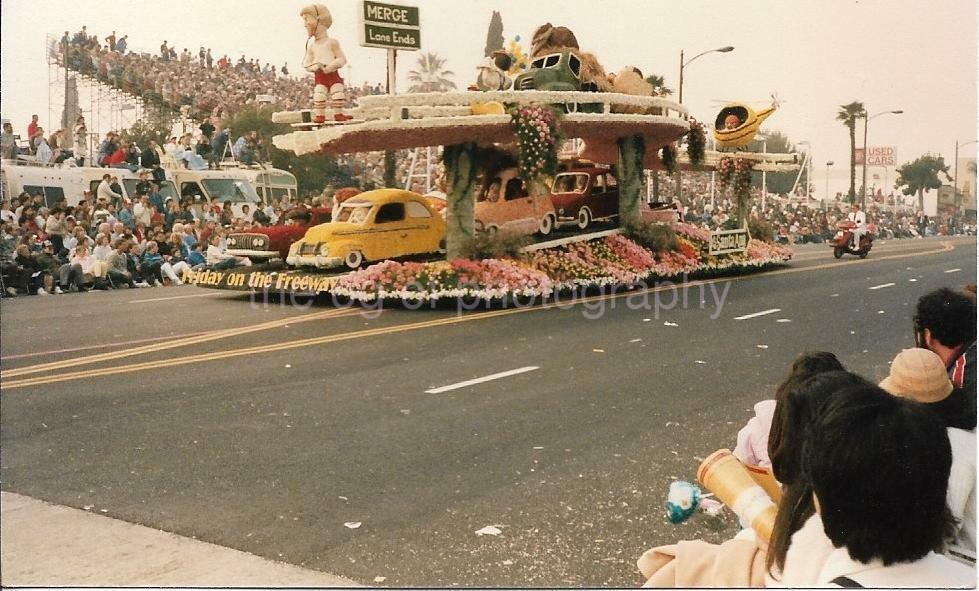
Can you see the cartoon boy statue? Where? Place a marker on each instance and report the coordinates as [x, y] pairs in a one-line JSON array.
[[324, 58], [732, 121]]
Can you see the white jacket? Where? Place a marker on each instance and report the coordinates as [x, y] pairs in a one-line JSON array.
[[812, 561], [962, 488], [859, 218]]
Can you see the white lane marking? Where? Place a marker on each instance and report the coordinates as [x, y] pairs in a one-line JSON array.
[[756, 314], [881, 286], [956, 270], [196, 295], [496, 376]]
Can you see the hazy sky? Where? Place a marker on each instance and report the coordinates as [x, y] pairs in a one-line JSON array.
[[816, 55]]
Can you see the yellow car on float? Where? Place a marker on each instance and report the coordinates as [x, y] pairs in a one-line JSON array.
[[372, 226]]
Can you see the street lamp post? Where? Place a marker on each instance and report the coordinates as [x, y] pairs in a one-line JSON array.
[[683, 64], [764, 176], [866, 120], [828, 164]]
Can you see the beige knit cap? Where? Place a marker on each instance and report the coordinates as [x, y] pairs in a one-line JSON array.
[[918, 374]]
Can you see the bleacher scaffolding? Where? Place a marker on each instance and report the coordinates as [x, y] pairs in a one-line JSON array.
[[72, 93]]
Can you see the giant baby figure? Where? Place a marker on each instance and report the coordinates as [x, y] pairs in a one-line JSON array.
[[324, 58]]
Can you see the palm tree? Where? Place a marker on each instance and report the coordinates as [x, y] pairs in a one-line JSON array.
[[430, 77], [849, 114], [659, 85]]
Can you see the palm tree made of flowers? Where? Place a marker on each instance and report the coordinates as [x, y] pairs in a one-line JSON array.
[[430, 75], [848, 115]]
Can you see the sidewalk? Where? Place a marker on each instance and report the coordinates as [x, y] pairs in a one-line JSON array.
[[50, 545]]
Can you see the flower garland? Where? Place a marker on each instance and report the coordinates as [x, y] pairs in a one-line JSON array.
[[536, 128], [612, 260], [725, 172], [696, 142], [736, 174]]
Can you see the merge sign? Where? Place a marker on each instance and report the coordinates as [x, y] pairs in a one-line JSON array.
[[390, 26], [728, 241]]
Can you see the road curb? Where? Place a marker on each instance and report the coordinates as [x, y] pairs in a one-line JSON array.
[[51, 545]]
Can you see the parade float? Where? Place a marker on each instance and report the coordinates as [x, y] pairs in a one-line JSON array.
[[505, 175]]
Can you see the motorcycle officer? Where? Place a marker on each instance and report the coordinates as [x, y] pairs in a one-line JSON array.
[[859, 218]]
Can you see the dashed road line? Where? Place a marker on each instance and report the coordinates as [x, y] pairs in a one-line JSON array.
[[757, 314], [881, 286], [489, 378], [956, 270]]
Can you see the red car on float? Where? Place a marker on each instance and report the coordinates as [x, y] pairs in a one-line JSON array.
[[583, 195], [272, 242]]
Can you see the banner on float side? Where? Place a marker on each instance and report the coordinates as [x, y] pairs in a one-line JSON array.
[[728, 241], [272, 281]]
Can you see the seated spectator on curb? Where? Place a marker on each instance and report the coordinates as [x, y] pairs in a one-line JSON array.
[[879, 467], [119, 271], [174, 267], [195, 258], [218, 259], [102, 250], [919, 375], [22, 272], [151, 263], [945, 323], [51, 267], [753, 439], [72, 273]]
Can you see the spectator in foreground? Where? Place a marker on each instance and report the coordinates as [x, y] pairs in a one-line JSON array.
[[879, 496], [754, 438], [945, 323], [919, 375]]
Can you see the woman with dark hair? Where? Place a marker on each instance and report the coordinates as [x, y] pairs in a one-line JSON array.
[[754, 440], [879, 468], [799, 407]]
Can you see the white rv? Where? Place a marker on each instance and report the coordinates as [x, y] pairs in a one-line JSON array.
[[70, 182]]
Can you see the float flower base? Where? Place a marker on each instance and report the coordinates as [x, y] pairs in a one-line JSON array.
[[602, 262]]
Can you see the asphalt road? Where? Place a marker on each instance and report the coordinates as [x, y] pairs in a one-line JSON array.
[[266, 428]]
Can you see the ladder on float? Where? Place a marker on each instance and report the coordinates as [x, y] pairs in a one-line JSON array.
[[425, 174]]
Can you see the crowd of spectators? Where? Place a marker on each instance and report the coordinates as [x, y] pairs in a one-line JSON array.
[[877, 482], [209, 86], [800, 221], [66, 247]]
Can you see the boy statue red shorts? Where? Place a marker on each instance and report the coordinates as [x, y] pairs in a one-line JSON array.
[[324, 58]]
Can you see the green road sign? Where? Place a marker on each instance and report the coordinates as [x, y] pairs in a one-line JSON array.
[[390, 37], [390, 14]]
